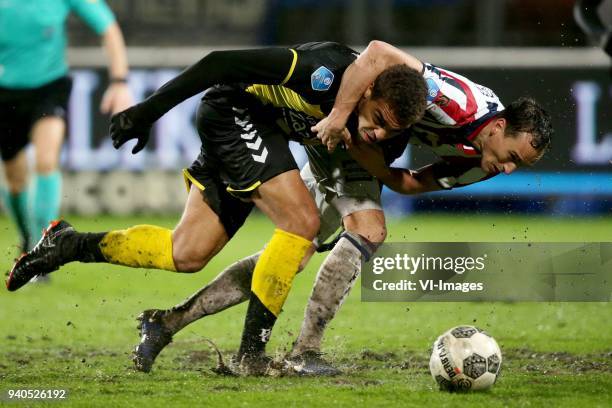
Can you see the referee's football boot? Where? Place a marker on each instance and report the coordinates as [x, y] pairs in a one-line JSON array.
[[48, 255], [154, 336], [311, 363]]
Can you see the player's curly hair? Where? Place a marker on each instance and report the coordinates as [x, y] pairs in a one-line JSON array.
[[526, 115], [404, 89]]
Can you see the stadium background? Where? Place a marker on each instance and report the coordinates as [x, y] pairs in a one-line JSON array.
[[514, 47], [77, 331]]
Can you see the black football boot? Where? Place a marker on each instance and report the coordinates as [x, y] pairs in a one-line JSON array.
[[154, 336], [48, 255]]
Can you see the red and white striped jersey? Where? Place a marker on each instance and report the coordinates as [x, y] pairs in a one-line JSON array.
[[457, 109]]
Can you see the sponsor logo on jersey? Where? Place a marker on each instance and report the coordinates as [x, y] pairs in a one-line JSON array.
[[432, 90], [299, 125], [321, 79]]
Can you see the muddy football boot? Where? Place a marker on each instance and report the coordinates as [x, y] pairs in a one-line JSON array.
[[311, 363], [154, 336], [47, 256]]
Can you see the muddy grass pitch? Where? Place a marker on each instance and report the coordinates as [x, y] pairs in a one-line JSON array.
[[76, 333]]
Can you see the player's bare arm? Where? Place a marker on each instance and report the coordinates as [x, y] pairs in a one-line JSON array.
[[403, 181], [377, 57], [117, 96]]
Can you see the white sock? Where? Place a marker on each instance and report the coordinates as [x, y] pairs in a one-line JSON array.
[[334, 281]]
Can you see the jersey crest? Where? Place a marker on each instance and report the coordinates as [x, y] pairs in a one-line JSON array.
[[321, 79], [432, 90]]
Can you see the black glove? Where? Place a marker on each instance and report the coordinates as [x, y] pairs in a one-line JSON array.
[[126, 126]]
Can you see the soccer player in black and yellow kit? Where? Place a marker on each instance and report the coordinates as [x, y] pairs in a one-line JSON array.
[[255, 99], [465, 125]]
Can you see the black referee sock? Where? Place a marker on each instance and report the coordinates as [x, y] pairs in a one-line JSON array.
[[257, 328]]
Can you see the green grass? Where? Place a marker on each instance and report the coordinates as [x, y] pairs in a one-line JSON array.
[[77, 332]]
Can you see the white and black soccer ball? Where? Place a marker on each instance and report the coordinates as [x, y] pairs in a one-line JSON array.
[[465, 358]]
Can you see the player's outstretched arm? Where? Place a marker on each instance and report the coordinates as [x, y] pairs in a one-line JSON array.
[[377, 57], [403, 181], [406, 181], [262, 66], [117, 96]]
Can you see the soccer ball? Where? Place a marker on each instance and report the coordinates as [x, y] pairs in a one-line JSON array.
[[465, 358]]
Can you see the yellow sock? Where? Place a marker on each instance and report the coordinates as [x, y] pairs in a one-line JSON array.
[[142, 246], [276, 268]]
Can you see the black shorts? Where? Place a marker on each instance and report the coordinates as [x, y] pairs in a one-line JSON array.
[[21, 108], [238, 154]]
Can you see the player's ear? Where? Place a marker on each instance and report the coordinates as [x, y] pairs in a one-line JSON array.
[[499, 127], [500, 124]]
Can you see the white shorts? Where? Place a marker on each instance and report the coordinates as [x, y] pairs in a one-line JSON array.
[[339, 187]]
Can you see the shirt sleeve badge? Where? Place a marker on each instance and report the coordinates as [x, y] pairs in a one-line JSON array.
[[321, 79]]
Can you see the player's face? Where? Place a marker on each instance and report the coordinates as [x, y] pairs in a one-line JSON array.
[[376, 120], [504, 154]]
